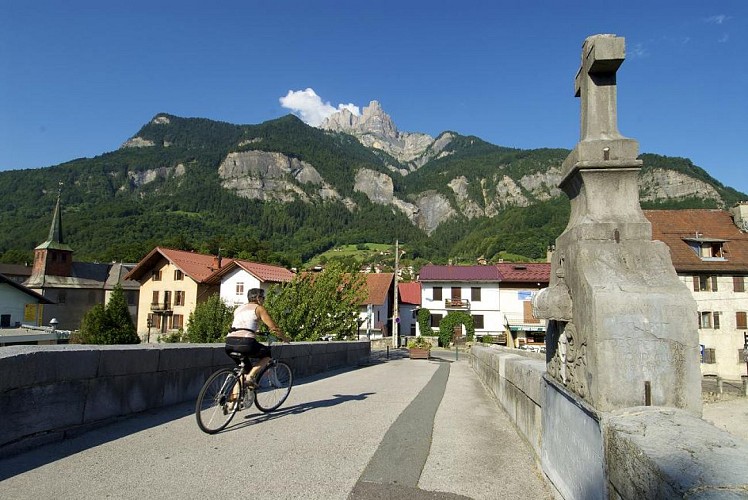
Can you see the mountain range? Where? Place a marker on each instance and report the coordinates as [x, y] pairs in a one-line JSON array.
[[284, 191]]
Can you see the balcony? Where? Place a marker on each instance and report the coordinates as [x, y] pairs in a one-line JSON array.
[[456, 304], [160, 306]]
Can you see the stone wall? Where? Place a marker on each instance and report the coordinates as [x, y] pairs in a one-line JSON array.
[[645, 453], [47, 392]]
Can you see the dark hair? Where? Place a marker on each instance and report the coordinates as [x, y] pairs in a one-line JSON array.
[[254, 294]]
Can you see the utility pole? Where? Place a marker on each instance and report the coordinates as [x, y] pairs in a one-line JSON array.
[[395, 313]]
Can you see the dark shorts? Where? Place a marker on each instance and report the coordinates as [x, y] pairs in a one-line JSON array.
[[248, 347]]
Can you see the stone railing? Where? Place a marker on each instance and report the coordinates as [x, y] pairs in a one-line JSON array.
[[646, 452], [47, 392]]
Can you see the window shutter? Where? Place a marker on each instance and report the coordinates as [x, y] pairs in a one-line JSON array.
[[716, 320], [714, 283], [695, 283], [740, 320], [738, 283], [710, 355]]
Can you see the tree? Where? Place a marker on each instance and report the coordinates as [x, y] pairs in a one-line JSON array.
[[110, 324], [210, 321], [313, 305]]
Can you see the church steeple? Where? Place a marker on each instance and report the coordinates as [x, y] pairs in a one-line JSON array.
[[53, 257]]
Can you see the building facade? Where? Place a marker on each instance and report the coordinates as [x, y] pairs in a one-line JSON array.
[[709, 249], [470, 289], [172, 282]]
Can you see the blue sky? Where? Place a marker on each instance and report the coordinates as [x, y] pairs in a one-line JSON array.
[[78, 78]]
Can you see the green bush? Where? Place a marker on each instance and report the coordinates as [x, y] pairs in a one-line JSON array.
[[448, 324]]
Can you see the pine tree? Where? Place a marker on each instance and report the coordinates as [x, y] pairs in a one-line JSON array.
[[110, 324]]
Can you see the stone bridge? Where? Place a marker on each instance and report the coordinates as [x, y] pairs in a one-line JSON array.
[[118, 422]]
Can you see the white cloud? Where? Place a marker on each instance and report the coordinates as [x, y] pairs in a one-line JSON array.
[[637, 51], [724, 38], [308, 106], [719, 19]]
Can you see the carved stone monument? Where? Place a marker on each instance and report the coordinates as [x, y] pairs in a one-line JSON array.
[[622, 330]]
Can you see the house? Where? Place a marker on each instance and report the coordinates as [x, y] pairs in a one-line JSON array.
[[376, 311], [172, 282], [19, 304], [16, 272], [73, 288], [470, 289], [237, 277], [408, 304], [518, 283], [709, 250]]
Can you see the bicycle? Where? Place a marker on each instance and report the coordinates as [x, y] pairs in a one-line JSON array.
[[220, 398]]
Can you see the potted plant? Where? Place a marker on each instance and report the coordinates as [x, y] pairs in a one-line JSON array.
[[419, 348]]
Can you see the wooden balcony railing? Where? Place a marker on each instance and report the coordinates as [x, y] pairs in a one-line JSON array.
[[457, 303]]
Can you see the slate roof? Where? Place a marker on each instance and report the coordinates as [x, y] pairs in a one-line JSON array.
[[526, 272], [85, 275], [197, 266], [378, 286], [432, 272], [409, 293], [263, 272], [673, 226]]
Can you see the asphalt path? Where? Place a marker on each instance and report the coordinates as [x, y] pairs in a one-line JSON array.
[[398, 428]]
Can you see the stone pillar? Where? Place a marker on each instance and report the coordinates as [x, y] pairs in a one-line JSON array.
[[622, 328]]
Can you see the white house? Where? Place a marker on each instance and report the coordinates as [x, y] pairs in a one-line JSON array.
[[470, 289], [375, 314], [239, 276], [519, 282], [19, 304], [408, 304]]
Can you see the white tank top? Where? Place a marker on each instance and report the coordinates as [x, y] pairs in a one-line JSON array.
[[245, 318]]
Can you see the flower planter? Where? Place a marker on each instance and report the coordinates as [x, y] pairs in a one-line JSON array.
[[419, 353]]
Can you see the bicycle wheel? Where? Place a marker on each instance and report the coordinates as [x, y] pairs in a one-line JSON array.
[[215, 407], [273, 386]]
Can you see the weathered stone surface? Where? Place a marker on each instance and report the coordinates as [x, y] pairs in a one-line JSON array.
[[260, 175], [660, 184], [433, 209], [631, 323], [378, 187]]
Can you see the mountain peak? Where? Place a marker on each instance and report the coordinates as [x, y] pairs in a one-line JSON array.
[[373, 120]]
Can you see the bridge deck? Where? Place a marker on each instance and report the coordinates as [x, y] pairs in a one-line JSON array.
[[357, 434]]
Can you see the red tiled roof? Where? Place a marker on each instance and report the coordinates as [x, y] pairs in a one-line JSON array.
[[535, 272], [409, 293], [197, 266], [431, 272], [672, 226], [263, 272], [378, 286]]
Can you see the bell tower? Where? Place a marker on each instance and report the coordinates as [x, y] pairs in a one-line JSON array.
[[53, 257]]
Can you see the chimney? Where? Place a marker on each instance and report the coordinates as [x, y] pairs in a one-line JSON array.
[[740, 215], [217, 262]]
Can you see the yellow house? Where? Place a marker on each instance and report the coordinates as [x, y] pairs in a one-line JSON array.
[[172, 283]]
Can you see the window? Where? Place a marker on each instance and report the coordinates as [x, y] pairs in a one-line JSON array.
[[436, 320], [157, 275], [709, 356], [709, 319], [437, 293], [475, 293], [478, 321], [456, 293], [738, 283], [179, 298], [132, 297], [154, 297], [154, 321], [705, 284], [240, 288], [62, 297], [167, 299], [740, 320], [178, 275], [177, 321]]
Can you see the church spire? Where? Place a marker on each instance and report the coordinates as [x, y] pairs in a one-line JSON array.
[[55, 238]]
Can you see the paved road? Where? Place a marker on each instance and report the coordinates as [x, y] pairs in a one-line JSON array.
[[360, 434]]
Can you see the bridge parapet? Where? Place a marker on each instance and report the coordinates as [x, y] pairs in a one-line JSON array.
[[645, 452], [47, 392]]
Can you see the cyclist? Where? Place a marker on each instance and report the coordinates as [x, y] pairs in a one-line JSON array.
[[242, 336]]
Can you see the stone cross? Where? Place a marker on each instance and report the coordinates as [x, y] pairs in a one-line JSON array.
[[595, 83]]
